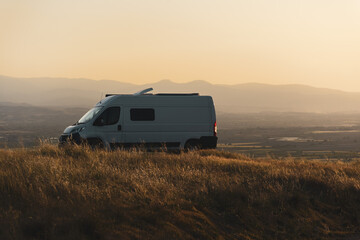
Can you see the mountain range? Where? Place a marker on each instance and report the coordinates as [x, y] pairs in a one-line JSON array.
[[249, 97]]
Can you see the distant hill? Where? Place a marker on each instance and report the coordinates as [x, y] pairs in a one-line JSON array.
[[250, 97]]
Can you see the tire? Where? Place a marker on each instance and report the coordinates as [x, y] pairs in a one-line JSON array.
[[192, 144], [95, 143]]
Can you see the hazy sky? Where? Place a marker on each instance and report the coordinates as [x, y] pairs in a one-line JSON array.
[[313, 42]]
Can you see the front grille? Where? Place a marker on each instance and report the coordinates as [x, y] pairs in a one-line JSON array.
[[70, 138], [63, 138]]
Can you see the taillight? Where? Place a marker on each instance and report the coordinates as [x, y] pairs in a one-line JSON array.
[[215, 129]]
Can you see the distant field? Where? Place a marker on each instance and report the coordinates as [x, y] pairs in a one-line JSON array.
[[259, 151], [26, 125], [77, 193]]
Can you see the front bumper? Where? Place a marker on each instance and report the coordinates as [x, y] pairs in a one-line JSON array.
[[70, 138]]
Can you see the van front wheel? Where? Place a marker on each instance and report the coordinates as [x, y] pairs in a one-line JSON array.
[[95, 143], [192, 144]]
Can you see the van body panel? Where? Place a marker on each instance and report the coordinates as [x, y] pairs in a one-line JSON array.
[[152, 120]]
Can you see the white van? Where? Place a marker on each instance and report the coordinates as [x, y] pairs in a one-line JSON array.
[[171, 121]]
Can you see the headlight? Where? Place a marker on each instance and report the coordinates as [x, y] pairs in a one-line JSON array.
[[77, 130]]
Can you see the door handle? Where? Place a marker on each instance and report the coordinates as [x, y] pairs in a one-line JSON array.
[[119, 127]]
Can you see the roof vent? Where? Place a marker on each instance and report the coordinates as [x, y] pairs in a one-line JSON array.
[[143, 91]]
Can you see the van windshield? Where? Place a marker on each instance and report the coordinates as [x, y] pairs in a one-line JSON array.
[[89, 115]]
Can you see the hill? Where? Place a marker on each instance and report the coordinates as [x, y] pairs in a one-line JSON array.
[[249, 97], [76, 193]]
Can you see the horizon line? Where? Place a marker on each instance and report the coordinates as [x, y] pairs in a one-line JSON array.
[[188, 82]]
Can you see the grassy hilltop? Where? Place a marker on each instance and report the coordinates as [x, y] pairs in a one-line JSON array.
[[77, 193]]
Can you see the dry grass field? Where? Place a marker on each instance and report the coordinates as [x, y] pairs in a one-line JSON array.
[[78, 193]]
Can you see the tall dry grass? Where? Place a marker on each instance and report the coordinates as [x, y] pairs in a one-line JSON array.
[[78, 193]]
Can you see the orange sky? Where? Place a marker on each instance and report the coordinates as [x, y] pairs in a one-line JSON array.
[[313, 42]]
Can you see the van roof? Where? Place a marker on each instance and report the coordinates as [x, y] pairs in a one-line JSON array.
[[145, 92], [157, 100], [158, 94]]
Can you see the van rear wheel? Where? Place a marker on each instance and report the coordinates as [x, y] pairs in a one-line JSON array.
[[192, 144]]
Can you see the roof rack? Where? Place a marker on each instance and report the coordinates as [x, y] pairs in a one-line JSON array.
[[177, 94], [145, 92]]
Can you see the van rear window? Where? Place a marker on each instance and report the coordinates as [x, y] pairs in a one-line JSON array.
[[142, 114]]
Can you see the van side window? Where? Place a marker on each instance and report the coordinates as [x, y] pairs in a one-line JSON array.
[[109, 117], [142, 114]]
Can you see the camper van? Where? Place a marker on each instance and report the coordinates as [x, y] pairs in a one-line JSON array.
[[164, 120]]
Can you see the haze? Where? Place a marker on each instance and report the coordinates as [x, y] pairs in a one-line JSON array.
[[308, 42]]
